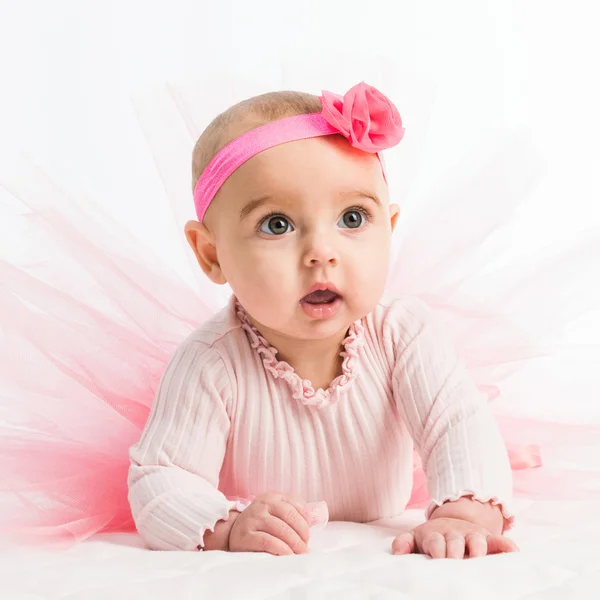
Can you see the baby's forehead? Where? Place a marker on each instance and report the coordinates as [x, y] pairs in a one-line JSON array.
[[307, 174], [327, 160]]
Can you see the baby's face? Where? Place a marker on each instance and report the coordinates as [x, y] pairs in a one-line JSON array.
[[299, 215]]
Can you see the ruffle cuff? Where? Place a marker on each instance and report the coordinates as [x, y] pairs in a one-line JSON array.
[[239, 504], [177, 520], [484, 499]]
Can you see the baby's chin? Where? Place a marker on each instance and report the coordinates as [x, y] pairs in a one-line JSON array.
[[315, 327]]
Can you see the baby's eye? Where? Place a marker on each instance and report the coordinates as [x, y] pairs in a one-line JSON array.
[[276, 226], [352, 219]]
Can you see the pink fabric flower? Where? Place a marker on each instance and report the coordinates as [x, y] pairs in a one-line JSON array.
[[365, 116]]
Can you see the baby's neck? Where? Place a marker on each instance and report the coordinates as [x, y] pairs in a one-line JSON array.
[[319, 361]]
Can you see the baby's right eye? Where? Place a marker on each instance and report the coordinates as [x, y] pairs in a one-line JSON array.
[[277, 225]]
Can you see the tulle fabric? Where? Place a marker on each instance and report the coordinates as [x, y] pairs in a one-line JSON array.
[[89, 318], [88, 321], [510, 321]]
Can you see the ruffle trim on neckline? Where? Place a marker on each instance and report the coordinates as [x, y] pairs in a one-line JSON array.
[[302, 389]]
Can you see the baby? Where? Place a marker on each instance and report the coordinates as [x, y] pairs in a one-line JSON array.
[[307, 394]]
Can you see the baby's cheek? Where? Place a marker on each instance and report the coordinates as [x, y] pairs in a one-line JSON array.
[[268, 290], [372, 263], [368, 277]]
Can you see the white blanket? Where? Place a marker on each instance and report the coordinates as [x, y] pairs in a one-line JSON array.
[[559, 558]]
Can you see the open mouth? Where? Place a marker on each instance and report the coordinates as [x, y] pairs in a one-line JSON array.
[[321, 297], [322, 303]]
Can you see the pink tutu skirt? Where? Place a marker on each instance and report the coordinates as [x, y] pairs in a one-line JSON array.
[[89, 319]]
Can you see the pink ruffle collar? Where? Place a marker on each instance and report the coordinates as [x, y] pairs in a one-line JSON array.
[[302, 389]]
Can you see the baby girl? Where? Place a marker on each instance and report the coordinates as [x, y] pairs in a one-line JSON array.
[[304, 398]]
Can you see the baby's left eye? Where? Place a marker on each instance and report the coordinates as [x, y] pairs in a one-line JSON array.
[[352, 219]]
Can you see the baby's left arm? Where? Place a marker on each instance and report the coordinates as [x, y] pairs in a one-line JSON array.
[[462, 452]]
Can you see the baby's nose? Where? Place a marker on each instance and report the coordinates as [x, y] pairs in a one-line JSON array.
[[320, 251]]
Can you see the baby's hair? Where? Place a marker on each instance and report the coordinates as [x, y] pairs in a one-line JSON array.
[[245, 116]]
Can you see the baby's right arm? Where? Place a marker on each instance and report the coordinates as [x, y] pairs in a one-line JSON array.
[[175, 466]]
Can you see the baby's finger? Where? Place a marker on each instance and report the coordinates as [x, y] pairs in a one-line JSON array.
[[404, 544], [476, 545], [455, 546], [303, 510], [435, 545], [289, 514], [499, 543], [263, 542], [298, 503], [282, 531]]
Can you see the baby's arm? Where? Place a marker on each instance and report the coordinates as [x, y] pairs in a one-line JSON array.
[[175, 466], [462, 451]]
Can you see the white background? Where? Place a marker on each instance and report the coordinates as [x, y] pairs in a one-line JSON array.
[[69, 70]]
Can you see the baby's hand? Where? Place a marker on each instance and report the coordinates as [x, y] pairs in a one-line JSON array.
[[451, 538], [274, 523]]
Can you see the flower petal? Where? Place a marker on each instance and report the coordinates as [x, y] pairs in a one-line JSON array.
[[365, 116]]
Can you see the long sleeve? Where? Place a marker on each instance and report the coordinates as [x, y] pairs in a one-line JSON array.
[[175, 466], [450, 421]]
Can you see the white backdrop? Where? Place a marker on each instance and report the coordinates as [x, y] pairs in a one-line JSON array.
[[69, 70]]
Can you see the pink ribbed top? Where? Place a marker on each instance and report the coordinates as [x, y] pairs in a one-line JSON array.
[[230, 421]]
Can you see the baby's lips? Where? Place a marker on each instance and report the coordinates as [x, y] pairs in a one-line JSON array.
[[318, 515]]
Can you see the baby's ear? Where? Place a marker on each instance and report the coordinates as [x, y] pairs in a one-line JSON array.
[[394, 214], [202, 243]]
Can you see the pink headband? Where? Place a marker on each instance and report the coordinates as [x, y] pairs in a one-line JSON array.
[[364, 116]]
